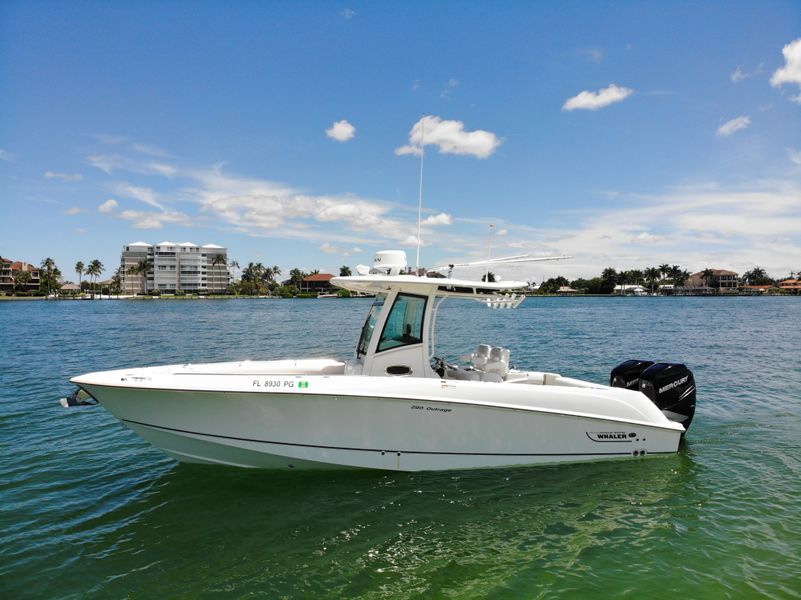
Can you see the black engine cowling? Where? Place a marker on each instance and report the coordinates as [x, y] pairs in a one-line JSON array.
[[627, 374], [670, 386]]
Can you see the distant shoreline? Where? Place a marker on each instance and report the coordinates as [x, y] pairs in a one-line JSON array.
[[187, 298]]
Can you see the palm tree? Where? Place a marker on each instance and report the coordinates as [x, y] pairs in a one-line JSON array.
[[253, 278], [94, 270], [80, 270], [297, 276], [652, 276], [609, 279], [344, 271], [707, 275], [143, 267], [116, 281], [47, 274], [21, 280], [664, 270]]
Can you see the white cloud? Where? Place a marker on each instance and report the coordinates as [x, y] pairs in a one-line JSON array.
[[162, 169], [6, 155], [738, 75], [791, 71], [142, 194], [108, 206], [63, 176], [451, 85], [450, 137], [697, 226], [268, 208], [595, 100], [348, 13], [117, 140], [148, 149], [108, 163], [440, 219], [341, 131], [733, 125], [646, 238], [155, 220], [794, 156], [328, 248], [595, 55], [741, 75], [105, 163], [75, 210]]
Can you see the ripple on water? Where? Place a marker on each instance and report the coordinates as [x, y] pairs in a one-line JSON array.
[[88, 509]]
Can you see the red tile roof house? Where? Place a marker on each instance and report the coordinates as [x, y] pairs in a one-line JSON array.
[[319, 283], [8, 271], [791, 285]]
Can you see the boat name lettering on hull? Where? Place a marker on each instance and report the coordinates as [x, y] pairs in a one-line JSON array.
[[275, 383], [431, 408], [610, 436]]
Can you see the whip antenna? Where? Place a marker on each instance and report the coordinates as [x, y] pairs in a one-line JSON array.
[[420, 195]]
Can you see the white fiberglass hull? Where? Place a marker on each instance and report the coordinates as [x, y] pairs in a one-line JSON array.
[[252, 417]]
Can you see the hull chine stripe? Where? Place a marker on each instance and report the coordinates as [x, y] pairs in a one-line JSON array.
[[353, 449]]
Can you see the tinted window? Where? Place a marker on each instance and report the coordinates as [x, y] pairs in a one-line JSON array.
[[369, 326], [405, 323]]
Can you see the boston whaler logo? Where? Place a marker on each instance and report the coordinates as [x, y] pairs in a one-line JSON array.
[[670, 386], [610, 436]]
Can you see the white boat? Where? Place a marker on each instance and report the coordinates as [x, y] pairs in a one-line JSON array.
[[395, 405]]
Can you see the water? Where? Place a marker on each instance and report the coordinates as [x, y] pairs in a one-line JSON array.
[[87, 509]]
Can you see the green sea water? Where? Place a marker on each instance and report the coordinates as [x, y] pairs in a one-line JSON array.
[[89, 510]]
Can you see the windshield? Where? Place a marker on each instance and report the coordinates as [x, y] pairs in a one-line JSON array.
[[369, 326]]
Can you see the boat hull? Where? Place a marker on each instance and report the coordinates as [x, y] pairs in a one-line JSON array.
[[298, 429]]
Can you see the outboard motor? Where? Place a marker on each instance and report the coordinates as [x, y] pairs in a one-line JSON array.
[[627, 374], [670, 386]]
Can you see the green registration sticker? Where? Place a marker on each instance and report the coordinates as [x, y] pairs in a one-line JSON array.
[[303, 384]]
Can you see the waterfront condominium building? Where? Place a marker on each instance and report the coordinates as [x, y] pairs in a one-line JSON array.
[[169, 268]]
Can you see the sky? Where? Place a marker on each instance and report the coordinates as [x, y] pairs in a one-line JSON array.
[[625, 134]]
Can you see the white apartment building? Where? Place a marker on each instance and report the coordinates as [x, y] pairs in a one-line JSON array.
[[170, 268]]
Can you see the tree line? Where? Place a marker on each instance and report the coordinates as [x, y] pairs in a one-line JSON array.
[[51, 279], [257, 279], [651, 278]]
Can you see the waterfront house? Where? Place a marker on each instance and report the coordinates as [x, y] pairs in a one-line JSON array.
[[319, 283], [720, 279], [9, 271], [791, 285]]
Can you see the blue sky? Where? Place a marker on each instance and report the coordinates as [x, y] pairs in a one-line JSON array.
[[624, 134]]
